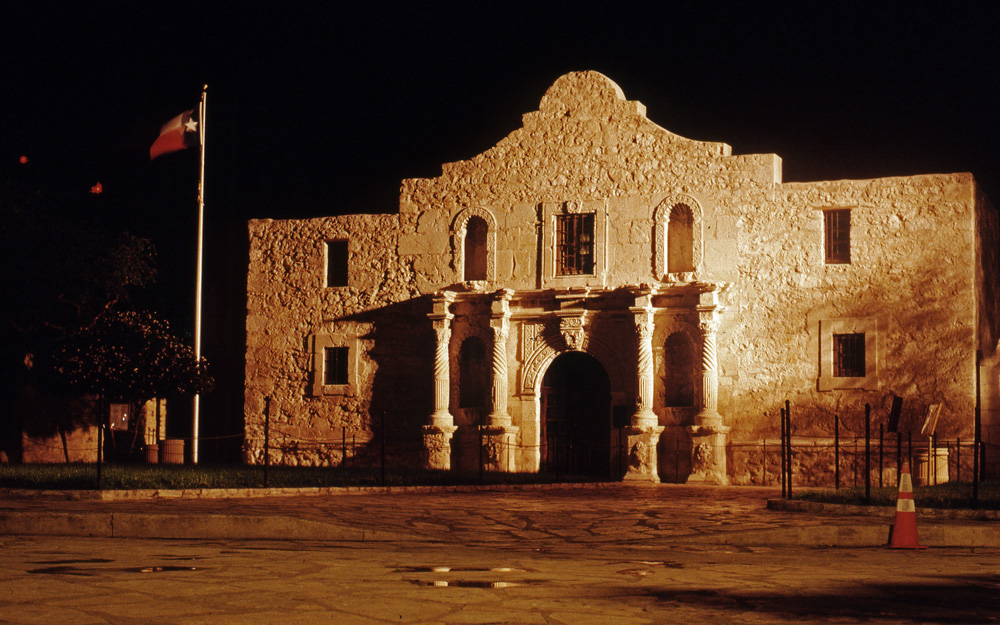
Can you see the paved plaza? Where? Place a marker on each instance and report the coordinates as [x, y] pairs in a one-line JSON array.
[[601, 555]]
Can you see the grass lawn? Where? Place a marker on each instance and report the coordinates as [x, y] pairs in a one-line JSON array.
[[170, 476], [949, 495]]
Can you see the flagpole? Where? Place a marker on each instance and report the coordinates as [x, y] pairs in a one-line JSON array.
[[197, 280]]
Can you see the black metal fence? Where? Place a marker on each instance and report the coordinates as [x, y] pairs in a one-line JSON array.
[[863, 459]]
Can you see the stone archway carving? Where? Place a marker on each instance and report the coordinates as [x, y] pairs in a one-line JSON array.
[[459, 229], [661, 220], [550, 344]]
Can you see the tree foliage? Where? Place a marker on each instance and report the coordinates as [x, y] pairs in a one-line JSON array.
[[130, 356]]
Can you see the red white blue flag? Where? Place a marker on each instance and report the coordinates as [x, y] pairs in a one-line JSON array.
[[180, 133]]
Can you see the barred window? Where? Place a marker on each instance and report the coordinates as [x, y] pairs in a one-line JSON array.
[[335, 365], [849, 355], [837, 230], [575, 244]]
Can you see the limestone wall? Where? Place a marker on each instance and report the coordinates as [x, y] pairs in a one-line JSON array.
[[289, 308], [912, 270]]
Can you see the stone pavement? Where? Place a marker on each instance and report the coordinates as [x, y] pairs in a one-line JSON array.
[[579, 514]]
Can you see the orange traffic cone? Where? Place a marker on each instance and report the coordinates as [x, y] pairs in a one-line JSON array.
[[903, 533]]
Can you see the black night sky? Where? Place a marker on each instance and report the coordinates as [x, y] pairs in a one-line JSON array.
[[316, 109]]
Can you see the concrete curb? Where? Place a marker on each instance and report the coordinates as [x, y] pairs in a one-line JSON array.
[[815, 507], [875, 535]]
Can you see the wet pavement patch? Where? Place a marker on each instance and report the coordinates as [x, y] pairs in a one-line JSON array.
[[94, 571], [64, 562], [457, 569], [447, 583]]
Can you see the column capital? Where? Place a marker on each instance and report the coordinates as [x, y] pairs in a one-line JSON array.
[[441, 301], [709, 323], [643, 321]]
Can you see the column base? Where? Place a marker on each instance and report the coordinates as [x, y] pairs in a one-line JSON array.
[[642, 458], [499, 447], [708, 454], [437, 446]]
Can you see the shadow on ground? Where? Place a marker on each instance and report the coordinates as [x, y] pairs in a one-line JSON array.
[[956, 599]]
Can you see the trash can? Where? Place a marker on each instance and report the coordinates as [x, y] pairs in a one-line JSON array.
[[929, 472], [152, 453], [173, 451]]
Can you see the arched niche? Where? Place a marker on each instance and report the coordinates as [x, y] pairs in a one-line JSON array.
[[678, 238], [468, 236]]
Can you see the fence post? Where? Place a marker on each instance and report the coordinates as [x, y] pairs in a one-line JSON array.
[[933, 459], [383, 448], [868, 454], [100, 451], [899, 455], [267, 439], [788, 428], [836, 451], [784, 480], [763, 453], [958, 459], [855, 462], [881, 447], [979, 464]]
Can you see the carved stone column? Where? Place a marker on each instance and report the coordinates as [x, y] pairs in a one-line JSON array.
[[644, 415], [709, 437], [500, 324], [499, 436], [643, 433], [709, 413], [437, 435]]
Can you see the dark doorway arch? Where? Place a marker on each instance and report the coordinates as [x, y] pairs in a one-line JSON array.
[[576, 416]]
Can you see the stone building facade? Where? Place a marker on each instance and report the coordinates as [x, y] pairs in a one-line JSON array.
[[598, 294]]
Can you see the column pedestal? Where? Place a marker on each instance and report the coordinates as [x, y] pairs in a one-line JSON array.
[[437, 446], [499, 446], [708, 454], [642, 457]]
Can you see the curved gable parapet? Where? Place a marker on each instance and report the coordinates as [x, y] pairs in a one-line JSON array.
[[586, 140], [586, 94]]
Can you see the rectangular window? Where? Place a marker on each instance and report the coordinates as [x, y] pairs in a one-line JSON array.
[[849, 355], [335, 365], [575, 244], [837, 228], [336, 263]]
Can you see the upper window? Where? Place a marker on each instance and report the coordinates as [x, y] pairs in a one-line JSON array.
[[837, 230], [849, 355], [336, 263], [575, 244]]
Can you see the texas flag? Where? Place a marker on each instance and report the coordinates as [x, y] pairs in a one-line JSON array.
[[179, 133]]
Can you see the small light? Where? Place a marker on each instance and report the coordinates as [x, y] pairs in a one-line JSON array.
[[97, 188], [23, 160]]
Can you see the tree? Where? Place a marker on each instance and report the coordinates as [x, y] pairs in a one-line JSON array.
[[64, 274], [132, 357]]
